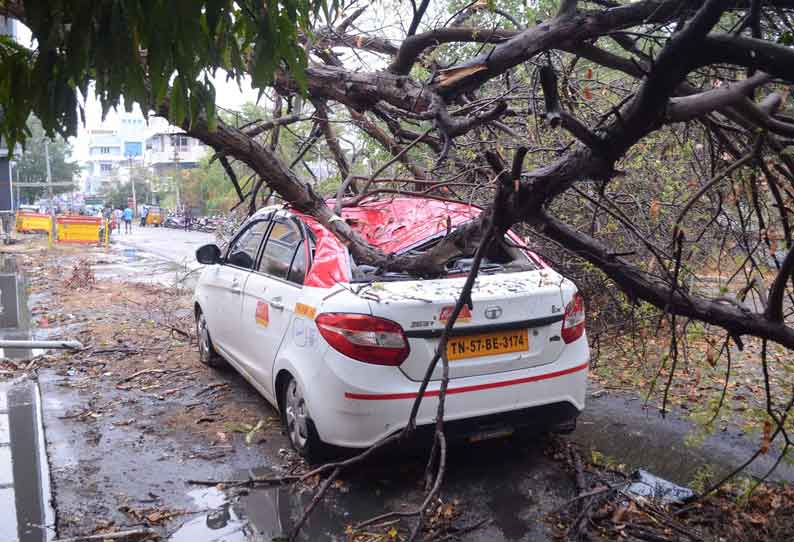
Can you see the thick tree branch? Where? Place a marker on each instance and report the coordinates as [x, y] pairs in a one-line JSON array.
[[413, 46], [693, 106], [661, 294]]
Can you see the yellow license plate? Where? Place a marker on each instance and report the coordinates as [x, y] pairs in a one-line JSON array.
[[487, 344]]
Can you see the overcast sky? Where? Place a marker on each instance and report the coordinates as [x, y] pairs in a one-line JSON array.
[[383, 17]]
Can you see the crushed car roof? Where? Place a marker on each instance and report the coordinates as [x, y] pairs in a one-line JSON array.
[[392, 225]]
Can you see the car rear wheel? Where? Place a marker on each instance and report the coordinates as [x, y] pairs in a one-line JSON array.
[[207, 353], [299, 425]]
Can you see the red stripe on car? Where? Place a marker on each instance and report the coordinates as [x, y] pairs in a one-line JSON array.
[[466, 389]]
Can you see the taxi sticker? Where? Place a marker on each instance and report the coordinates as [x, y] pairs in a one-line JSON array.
[[262, 313], [305, 310], [446, 312]]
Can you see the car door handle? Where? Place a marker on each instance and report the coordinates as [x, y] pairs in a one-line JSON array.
[[235, 289], [276, 304]]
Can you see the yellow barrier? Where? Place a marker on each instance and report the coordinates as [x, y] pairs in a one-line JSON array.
[[33, 222], [84, 229]]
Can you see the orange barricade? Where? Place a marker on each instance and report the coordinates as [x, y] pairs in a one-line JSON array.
[[28, 222], [78, 229]]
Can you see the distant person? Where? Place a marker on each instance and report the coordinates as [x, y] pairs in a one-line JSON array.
[[118, 216], [187, 218], [144, 214], [128, 220]]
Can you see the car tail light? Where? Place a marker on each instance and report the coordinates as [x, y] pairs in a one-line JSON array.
[[364, 338], [573, 321]]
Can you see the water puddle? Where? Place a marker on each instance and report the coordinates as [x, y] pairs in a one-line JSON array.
[[266, 514], [26, 514], [16, 321]]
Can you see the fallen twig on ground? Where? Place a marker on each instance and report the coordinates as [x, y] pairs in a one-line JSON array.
[[140, 373], [280, 480]]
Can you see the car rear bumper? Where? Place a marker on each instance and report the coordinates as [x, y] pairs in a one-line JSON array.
[[361, 404]]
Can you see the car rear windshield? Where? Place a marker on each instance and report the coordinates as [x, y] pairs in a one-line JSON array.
[[502, 257]]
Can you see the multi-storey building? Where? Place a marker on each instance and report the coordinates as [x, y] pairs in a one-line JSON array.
[[112, 148], [128, 142], [169, 150]]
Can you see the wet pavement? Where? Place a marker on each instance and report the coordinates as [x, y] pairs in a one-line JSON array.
[[173, 245], [115, 456], [621, 429], [164, 256]]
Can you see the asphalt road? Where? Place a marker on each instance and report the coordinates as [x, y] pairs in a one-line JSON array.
[[177, 246]]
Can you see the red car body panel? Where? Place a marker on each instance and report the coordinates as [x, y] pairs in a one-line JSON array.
[[392, 225]]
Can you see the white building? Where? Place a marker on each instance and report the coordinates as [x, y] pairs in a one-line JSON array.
[[126, 141], [169, 150], [112, 148]]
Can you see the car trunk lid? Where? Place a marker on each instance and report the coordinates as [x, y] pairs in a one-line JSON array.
[[515, 321]]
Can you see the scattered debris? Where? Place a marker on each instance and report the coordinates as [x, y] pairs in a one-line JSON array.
[[658, 489], [82, 275]]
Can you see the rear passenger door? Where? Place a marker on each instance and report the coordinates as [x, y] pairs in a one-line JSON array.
[[269, 298]]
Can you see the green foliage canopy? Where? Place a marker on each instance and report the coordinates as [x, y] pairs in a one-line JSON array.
[[144, 51], [32, 166]]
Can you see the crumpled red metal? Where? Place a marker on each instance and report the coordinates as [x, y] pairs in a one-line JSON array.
[[392, 225]]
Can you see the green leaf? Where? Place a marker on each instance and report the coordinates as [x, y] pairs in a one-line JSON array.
[[178, 107]]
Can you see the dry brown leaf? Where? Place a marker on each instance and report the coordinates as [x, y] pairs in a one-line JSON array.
[[767, 436], [654, 210]]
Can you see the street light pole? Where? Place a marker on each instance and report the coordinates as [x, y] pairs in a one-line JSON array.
[[174, 140], [53, 231]]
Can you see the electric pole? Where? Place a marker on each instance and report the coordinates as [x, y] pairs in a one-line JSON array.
[[174, 140], [54, 232]]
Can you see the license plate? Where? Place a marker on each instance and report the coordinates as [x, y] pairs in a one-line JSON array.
[[487, 344]]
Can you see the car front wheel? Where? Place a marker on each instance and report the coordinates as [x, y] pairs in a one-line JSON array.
[[299, 426], [207, 353]]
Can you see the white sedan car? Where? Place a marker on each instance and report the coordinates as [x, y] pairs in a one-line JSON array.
[[340, 348]]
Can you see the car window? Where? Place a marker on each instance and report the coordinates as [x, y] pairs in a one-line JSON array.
[[242, 252], [282, 244], [298, 270]]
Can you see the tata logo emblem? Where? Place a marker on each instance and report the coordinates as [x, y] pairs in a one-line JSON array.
[[493, 312]]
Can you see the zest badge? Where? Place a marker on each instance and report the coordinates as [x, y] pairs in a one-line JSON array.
[[262, 313], [446, 312]]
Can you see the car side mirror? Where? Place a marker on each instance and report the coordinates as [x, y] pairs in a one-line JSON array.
[[208, 254]]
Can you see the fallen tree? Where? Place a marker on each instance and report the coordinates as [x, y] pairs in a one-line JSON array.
[[588, 90]]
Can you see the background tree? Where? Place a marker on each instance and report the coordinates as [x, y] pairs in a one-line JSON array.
[[32, 166], [120, 192]]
